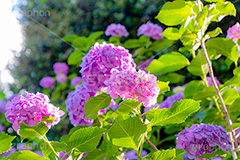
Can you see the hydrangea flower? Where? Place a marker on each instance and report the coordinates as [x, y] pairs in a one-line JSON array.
[[61, 78], [144, 64], [151, 30], [210, 83], [116, 30], [201, 138], [75, 105], [2, 106], [130, 155], [30, 109], [2, 128], [39, 153], [76, 80], [100, 60], [234, 32], [130, 83], [47, 82], [167, 103], [11, 151], [22, 147], [60, 67]]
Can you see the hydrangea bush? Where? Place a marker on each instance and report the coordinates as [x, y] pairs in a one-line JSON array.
[[124, 103]]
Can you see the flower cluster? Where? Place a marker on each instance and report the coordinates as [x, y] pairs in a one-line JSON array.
[[116, 30], [130, 155], [2, 106], [60, 67], [130, 84], [167, 103], [202, 138], [100, 60], [76, 80], [234, 34], [47, 82], [151, 30], [75, 105], [210, 83], [30, 109]]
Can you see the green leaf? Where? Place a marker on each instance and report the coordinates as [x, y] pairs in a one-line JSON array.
[[140, 51], [69, 38], [95, 35], [230, 95], [235, 106], [213, 34], [164, 86], [198, 65], [127, 106], [207, 92], [225, 9], [80, 42], [172, 77], [218, 152], [97, 154], [75, 58], [48, 119], [168, 154], [236, 72], [178, 113], [66, 137], [133, 43], [5, 141], [96, 103], [58, 147], [168, 63], [235, 81], [174, 13], [31, 132], [214, 1], [127, 133], [160, 45], [25, 155], [193, 88], [179, 153], [224, 46], [114, 39], [171, 33], [85, 139]]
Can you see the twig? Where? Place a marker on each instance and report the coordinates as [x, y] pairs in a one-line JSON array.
[[151, 144], [232, 134]]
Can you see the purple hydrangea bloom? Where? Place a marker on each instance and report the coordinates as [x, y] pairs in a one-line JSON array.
[[61, 78], [100, 60], [75, 105], [47, 82], [130, 155], [61, 67], [2, 128], [167, 103], [30, 109], [61, 154], [151, 30], [210, 83], [38, 152], [2, 106], [116, 30], [144, 64], [76, 80], [11, 151], [199, 138], [22, 147], [130, 83]]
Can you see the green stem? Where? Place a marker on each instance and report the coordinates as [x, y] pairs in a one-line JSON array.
[[64, 155], [46, 140]]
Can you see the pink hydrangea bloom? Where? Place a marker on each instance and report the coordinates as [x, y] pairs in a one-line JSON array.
[[151, 30], [116, 30], [61, 67], [76, 80], [234, 32], [75, 105], [144, 64], [61, 78], [47, 82], [30, 109], [202, 138], [2, 106], [100, 60], [128, 83]]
